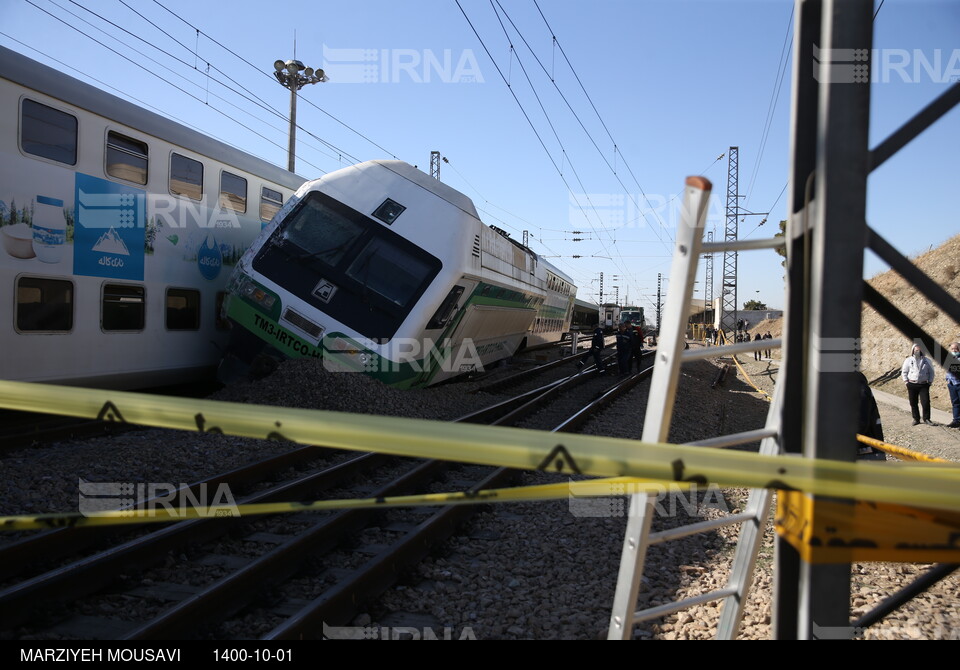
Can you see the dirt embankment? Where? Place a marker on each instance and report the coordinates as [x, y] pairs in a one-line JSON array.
[[884, 348]]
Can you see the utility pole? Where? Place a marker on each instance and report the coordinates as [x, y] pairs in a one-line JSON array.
[[708, 280], [435, 165], [295, 75], [728, 315], [659, 283]]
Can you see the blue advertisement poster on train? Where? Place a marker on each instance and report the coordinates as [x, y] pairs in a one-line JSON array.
[[109, 229]]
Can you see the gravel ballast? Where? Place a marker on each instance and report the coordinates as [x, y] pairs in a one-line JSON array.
[[528, 570]]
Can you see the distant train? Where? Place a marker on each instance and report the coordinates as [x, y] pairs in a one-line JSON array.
[[118, 229], [609, 316], [382, 269], [632, 314], [586, 316]]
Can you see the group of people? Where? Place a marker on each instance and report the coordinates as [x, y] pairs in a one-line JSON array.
[[629, 348], [710, 335], [766, 352], [918, 374]]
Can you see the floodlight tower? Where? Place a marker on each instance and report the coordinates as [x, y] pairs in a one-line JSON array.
[[295, 75]]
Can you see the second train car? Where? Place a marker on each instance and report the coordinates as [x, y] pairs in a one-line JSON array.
[[382, 269]]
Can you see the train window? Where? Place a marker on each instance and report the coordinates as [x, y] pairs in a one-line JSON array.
[[233, 192], [186, 177], [389, 270], [270, 202], [44, 304], [126, 158], [388, 211], [183, 309], [123, 307], [48, 133]]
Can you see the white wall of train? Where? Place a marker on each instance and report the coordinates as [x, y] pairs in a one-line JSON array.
[[424, 290], [119, 230]]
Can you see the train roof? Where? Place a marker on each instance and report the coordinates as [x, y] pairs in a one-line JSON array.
[[583, 304], [34, 75], [422, 179], [453, 196]]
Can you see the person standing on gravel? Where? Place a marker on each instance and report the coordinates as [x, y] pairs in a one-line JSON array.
[[756, 354], [624, 349], [917, 374], [953, 382], [636, 345], [768, 336], [596, 348]]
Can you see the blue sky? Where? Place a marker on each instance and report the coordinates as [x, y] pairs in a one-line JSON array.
[[675, 84]]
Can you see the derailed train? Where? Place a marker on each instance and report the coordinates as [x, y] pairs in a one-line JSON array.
[[381, 269]]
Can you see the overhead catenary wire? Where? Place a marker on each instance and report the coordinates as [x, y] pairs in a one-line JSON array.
[[523, 111], [167, 81], [586, 131], [249, 98], [564, 154], [240, 90], [140, 53], [774, 100], [587, 95], [246, 93], [309, 102]]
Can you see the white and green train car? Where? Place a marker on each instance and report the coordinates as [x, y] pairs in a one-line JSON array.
[[379, 268]]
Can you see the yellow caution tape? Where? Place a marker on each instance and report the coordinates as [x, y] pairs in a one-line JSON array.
[[723, 340], [844, 531], [925, 485], [609, 486], [903, 452]]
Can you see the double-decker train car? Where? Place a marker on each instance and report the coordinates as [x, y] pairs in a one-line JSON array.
[[118, 229], [586, 316], [380, 268]]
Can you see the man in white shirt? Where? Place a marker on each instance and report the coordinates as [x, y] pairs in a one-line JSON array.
[[917, 374]]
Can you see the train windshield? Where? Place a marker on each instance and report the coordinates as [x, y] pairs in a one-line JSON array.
[[377, 275], [388, 270], [322, 233]]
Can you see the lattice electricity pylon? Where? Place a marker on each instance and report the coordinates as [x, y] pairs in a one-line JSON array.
[[708, 281], [728, 319], [435, 165]]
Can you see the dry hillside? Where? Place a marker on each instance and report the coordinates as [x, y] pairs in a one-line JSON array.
[[884, 347]]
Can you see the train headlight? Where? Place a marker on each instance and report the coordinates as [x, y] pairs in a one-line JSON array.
[[253, 292]]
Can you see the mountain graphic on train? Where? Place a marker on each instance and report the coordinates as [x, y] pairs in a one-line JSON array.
[[118, 229], [381, 269]]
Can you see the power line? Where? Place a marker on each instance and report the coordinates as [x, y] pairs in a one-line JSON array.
[[167, 81], [589, 99], [180, 60], [556, 135], [774, 100], [584, 128], [268, 76], [522, 109]]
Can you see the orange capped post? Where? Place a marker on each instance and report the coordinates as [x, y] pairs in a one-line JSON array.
[[699, 182]]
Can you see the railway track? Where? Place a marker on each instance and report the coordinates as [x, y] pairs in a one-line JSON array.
[[276, 577], [31, 429]]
